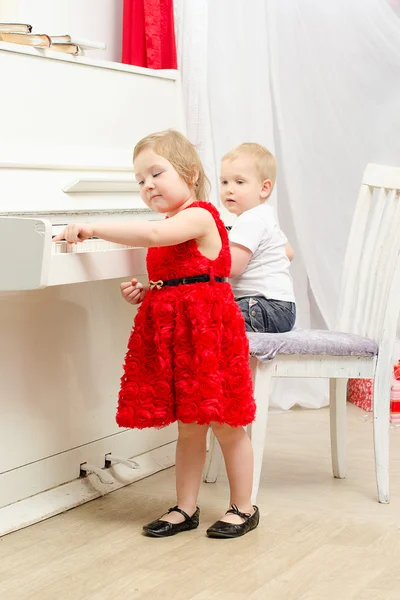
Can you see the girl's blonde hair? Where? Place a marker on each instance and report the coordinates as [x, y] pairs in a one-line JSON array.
[[263, 158], [182, 155]]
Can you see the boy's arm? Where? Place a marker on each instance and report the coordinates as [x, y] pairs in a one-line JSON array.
[[240, 259], [289, 251]]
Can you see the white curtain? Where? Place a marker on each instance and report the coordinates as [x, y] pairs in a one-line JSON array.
[[319, 84]]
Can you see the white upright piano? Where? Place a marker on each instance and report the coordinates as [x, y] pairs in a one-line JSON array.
[[67, 130]]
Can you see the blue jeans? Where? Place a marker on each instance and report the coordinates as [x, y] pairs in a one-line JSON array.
[[267, 316]]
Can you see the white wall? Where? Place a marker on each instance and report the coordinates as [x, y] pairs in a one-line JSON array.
[[99, 20], [8, 11]]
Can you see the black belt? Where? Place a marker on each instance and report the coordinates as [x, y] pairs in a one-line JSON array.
[[195, 279]]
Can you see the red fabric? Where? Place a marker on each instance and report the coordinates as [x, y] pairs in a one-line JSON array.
[[396, 370], [148, 37], [360, 392], [188, 354]]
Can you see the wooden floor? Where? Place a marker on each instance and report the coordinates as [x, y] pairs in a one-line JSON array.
[[319, 538]]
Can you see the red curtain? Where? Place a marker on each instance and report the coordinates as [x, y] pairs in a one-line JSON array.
[[148, 37]]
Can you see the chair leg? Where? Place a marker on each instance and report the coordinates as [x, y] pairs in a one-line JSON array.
[[337, 406], [213, 462], [262, 377], [381, 406]]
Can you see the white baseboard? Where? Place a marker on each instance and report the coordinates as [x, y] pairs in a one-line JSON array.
[[69, 495]]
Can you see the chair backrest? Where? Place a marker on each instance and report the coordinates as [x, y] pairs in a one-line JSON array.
[[369, 302]]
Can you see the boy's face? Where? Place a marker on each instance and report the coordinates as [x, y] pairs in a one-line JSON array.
[[241, 186]]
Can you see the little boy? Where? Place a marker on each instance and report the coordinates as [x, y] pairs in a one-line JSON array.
[[261, 255]]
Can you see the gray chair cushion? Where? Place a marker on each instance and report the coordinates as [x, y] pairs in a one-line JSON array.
[[265, 346]]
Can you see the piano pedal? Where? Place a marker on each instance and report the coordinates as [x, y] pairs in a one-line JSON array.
[[87, 469], [128, 462]]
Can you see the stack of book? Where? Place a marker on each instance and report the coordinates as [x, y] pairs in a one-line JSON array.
[[21, 33]]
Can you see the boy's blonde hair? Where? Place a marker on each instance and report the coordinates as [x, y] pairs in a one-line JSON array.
[[182, 155], [263, 158]]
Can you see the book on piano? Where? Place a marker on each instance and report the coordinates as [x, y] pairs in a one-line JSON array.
[[81, 42], [15, 28], [67, 48], [39, 40]]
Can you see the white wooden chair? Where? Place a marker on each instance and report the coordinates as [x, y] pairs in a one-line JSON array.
[[369, 307]]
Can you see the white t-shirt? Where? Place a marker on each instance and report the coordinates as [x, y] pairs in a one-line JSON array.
[[267, 273]]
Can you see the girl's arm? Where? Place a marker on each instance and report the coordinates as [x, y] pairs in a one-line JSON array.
[[133, 292], [186, 225]]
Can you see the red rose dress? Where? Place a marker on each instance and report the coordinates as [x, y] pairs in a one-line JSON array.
[[188, 354]]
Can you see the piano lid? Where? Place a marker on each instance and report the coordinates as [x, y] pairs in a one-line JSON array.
[[69, 125]]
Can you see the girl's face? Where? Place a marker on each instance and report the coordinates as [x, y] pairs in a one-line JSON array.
[[161, 188]]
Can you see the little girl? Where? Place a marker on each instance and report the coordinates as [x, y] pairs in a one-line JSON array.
[[188, 355]]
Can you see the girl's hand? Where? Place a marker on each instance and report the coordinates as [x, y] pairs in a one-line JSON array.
[[74, 233], [133, 291]]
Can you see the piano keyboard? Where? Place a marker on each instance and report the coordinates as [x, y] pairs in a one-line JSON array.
[[37, 262], [91, 245]]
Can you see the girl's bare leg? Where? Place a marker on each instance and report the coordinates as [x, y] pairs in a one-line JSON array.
[[238, 455], [190, 458]]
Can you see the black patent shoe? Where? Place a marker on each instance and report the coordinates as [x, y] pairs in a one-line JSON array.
[[160, 528], [222, 529]]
